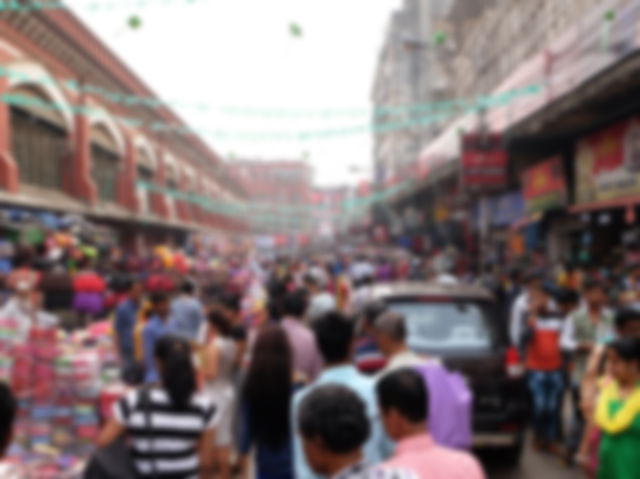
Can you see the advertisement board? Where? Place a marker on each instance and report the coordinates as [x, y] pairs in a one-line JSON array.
[[608, 164], [484, 162], [544, 186]]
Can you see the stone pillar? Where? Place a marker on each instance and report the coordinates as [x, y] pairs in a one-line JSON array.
[[82, 183], [9, 179]]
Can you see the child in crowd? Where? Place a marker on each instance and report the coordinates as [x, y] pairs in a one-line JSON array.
[[618, 412]]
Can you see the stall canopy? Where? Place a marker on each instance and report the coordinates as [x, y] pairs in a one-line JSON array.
[[445, 149]]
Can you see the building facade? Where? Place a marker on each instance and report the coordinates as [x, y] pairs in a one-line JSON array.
[[557, 82], [81, 133], [413, 71], [280, 193]]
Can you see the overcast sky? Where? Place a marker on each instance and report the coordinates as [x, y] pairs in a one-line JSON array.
[[240, 53]]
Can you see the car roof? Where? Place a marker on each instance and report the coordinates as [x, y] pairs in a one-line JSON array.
[[425, 289]]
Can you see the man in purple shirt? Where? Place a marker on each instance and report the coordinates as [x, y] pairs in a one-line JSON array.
[[306, 356]]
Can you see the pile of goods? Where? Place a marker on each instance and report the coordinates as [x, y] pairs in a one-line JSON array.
[[58, 380]]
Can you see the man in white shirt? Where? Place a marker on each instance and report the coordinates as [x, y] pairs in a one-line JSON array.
[[520, 307]]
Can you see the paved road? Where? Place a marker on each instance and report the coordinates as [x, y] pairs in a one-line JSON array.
[[533, 466]]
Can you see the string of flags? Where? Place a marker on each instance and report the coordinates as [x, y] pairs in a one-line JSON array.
[[484, 103], [154, 103], [264, 211]]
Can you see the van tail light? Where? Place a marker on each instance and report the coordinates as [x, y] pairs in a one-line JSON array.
[[513, 363], [510, 427]]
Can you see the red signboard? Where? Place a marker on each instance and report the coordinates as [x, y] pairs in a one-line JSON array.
[[544, 186], [484, 161]]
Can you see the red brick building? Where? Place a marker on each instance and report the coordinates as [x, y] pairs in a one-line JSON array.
[[279, 190], [79, 131]]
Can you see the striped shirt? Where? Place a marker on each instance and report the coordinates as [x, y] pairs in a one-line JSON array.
[[368, 357], [171, 443]]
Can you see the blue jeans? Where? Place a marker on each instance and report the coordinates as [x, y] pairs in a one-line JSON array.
[[546, 393]]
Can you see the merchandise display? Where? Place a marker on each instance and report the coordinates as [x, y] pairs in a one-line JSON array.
[[61, 381]]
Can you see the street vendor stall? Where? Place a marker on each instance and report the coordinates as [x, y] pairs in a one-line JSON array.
[[64, 382]]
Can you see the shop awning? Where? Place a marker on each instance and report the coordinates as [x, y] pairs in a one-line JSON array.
[[445, 149], [101, 137], [526, 221], [32, 88], [617, 203], [29, 99]]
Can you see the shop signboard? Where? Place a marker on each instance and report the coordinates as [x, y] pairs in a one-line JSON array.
[[608, 164], [507, 208], [544, 186], [499, 211], [484, 162]]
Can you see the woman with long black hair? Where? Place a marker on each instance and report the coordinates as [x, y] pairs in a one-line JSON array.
[[170, 426], [266, 399]]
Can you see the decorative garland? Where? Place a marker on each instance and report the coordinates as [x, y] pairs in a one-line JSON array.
[[502, 99], [232, 208], [443, 106], [261, 210]]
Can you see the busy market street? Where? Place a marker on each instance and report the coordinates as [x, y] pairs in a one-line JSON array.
[[319, 239]]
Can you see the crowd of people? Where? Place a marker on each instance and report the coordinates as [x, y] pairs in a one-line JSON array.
[[288, 368], [580, 334], [240, 366]]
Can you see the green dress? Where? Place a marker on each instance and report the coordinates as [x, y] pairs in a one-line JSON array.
[[620, 453]]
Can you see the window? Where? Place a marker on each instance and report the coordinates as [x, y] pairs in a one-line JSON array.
[[144, 192], [434, 327], [105, 172], [172, 186], [105, 161], [38, 148], [190, 188]]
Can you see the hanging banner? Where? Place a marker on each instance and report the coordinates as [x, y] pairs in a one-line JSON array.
[[608, 163], [484, 161], [544, 186], [499, 211]]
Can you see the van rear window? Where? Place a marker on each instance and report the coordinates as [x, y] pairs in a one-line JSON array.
[[443, 326]]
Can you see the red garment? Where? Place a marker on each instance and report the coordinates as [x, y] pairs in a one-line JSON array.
[[159, 283], [402, 270], [113, 300], [89, 282], [543, 351]]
